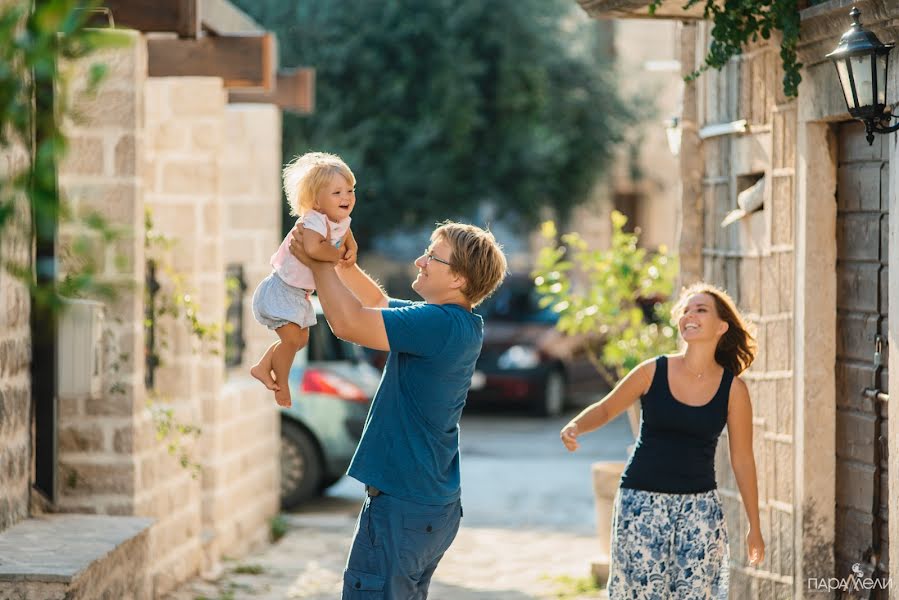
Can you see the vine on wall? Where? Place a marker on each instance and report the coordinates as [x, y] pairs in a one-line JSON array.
[[738, 22]]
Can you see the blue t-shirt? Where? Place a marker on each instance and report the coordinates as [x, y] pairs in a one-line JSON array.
[[410, 444]]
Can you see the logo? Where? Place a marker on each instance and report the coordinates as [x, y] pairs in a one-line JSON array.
[[858, 581]]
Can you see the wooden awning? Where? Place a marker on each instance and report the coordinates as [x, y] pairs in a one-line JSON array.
[[639, 9], [294, 91], [215, 39]]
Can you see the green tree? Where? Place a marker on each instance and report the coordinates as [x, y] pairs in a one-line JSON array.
[[442, 105], [610, 292]]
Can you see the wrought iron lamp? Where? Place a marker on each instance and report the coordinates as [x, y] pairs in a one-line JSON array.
[[862, 65]]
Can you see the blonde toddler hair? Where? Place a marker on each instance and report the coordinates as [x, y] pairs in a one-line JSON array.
[[306, 175]]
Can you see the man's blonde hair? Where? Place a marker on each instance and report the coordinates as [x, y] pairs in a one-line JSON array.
[[476, 256], [306, 175]]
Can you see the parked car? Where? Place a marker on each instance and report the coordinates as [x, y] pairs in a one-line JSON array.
[[332, 386], [525, 360]]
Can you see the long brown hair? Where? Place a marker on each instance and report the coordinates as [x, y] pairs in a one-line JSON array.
[[737, 347]]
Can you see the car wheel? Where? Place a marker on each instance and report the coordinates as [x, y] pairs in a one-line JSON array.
[[301, 465], [551, 402]]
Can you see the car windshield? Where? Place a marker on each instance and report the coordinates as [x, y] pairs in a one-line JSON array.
[[518, 302]]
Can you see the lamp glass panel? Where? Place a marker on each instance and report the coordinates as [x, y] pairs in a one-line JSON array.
[[882, 79], [843, 71], [864, 84]]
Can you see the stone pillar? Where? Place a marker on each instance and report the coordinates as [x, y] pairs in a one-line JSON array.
[[690, 228], [15, 356]]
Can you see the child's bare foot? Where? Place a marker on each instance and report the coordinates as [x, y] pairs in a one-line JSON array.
[[282, 397], [265, 376]]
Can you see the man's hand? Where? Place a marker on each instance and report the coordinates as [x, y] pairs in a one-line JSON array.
[[350, 250]]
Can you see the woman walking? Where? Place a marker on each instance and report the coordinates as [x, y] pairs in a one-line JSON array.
[[668, 533]]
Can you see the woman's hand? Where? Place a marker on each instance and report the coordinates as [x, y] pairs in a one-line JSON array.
[[569, 435], [755, 546]]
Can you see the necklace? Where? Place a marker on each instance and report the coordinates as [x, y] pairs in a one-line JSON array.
[[696, 375]]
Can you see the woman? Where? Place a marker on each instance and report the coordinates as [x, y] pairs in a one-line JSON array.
[[668, 533]]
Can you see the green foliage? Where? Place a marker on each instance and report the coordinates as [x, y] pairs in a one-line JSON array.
[[278, 528], [571, 588], [31, 44], [176, 436], [440, 106], [175, 299], [613, 285], [249, 570], [738, 22]]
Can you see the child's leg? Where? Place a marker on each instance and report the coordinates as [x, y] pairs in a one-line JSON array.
[[262, 370], [293, 337]]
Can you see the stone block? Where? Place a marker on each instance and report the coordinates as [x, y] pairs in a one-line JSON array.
[[185, 176], [109, 109], [126, 156], [197, 97], [248, 216], [859, 186], [782, 210], [779, 342], [855, 436], [118, 403], [82, 479], [206, 136], [117, 202], [785, 261], [84, 156], [782, 463], [770, 292], [237, 181], [785, 407], [86, 437], [760, 364]]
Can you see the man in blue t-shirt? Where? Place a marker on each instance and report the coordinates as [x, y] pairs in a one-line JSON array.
[[408, 457]]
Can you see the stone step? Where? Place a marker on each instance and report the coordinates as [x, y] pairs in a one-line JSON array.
[[76, 557]]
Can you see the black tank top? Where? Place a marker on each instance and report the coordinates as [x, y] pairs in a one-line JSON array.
[[675, 453]]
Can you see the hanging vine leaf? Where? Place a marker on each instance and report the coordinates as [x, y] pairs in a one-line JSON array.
[[738, 22]]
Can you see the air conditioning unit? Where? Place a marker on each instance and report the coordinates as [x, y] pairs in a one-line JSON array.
[[80, 348]]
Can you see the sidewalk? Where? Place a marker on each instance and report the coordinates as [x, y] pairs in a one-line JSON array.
[[483, 564]]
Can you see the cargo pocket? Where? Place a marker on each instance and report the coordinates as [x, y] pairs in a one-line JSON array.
[[358, 585], [426, 537]]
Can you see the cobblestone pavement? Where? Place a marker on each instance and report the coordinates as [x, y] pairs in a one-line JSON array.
[[528, 531], [483, 564]]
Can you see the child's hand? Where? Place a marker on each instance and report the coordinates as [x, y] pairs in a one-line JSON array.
[[350, 248], [569, 435]]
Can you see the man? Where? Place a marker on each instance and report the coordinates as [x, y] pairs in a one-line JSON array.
[[408, 457]]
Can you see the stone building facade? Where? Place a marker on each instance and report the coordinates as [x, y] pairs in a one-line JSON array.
[[809, 267], [208, 173]]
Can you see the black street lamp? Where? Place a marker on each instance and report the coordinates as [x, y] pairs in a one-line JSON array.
[[861, 61]]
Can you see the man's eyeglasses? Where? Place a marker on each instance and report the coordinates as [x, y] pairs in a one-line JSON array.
[[429, 256]]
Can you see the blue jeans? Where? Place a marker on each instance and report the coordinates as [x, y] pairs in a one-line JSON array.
[[396, 548]]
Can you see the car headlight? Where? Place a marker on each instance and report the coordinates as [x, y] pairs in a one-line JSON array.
[[519, 357]]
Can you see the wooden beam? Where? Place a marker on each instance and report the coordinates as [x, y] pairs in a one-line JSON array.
[[180, 16], [243, 61], [222, 18], [294, 92]]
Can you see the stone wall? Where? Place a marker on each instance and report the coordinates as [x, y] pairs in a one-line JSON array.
[[15, 358], [753, 260], [16, 458], [171, 145], [97, 472], [242, 425]]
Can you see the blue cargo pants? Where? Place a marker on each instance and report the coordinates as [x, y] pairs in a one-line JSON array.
[[396, 548]]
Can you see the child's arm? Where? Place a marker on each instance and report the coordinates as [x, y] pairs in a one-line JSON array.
[[350, 249], [319, 248]]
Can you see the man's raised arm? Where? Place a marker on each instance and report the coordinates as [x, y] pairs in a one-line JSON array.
[[366, 289]]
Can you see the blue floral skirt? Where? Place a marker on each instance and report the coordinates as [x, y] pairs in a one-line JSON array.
[[668, 546]]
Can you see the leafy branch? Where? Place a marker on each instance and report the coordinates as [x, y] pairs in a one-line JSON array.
[[32, 41], [623, 294], [738, 22], [175, 434]]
